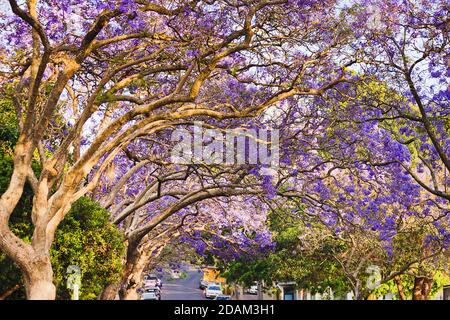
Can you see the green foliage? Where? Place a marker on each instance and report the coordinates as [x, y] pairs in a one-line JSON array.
[[86, 239], [8, 137], [6, 168], [314, 269], [8, 123], [407, 280]]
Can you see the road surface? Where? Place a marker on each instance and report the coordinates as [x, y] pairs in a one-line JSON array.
[[183, 289], [187, 288]]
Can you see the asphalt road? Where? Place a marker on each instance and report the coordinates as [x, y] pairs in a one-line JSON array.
[[183, 289]]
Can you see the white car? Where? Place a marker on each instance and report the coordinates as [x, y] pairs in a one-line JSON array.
[[253, 289], [152, 281], [212, 291], [151, 294]]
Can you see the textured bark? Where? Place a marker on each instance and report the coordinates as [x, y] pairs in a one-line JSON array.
[[138, 259], [399, 283], [134, 267], [132, 278], [39, 280], [36, 268], [422, 288], [110, 292]]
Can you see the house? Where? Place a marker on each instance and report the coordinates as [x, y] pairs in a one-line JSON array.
[[446, 293]]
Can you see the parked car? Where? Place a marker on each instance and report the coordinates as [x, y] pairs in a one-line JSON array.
[[222, 297], [212, 291], [253, 289], [151, 294], [152, 281], [203, 284]]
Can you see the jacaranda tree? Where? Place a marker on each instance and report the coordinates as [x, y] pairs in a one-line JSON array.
[[88, 77]]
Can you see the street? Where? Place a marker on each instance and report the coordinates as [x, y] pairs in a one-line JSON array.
[[188, 288], [183, 289]]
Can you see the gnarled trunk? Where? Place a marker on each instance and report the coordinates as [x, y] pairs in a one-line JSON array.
[[422, 288], [37, 269], [110, 292], [135, 264], [39, 280], [138, 257]]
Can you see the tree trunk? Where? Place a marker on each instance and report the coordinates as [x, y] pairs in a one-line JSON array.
[[400, 289], [130, 281], [422, 288], [110, 292], [37, 269], [39, 280], [138, 257], [360, 293], [132, 276], [134, 267], [131, 293]]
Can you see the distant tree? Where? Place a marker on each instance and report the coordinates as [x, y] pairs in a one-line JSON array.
[[317, 256], [315, 269]]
